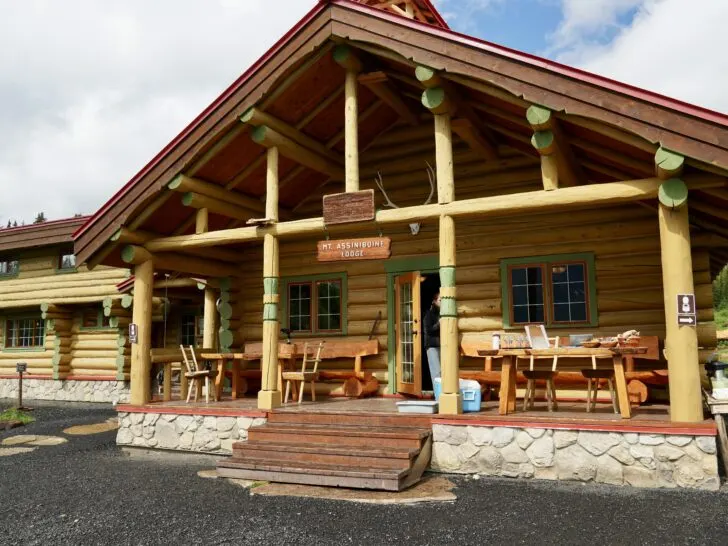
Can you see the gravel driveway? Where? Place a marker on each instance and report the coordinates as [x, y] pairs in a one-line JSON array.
[[87, 491]]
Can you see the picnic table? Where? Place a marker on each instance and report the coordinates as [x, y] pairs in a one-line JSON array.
[[508, 370]]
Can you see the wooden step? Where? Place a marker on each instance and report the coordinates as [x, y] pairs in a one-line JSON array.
[[350, 419], [313, 474], [335, 435], [344, 455]]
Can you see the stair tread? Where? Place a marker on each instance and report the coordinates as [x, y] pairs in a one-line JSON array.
[[343, 449], [297, 467], [374, 432]]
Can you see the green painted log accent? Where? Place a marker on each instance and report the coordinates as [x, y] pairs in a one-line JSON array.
[[187, 198], [56, 360], [673, 193], [50, 325], [120, 365], [669, 161], [126, 301], [270, 285], [226, 339], [201, 286], [434, 99], [56, 342], [258, 134], [175, 183], [107, 312], [128, 253], [543, 140], [121, 340], [114, 322], [448, 307], [226, 283], [121, 351], [344, 55], [447, 276], [270, 311], [115, 236], [226, 310], [107, 302], [224, 324], [224, 296], [538, 116], [247, 115], [425, 73]]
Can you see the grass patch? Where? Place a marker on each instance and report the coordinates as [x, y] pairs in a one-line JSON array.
[[16, 415], [721, 318]]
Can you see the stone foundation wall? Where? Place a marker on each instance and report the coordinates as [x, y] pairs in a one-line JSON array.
[[639, 460], [71, 390], [204, 433]]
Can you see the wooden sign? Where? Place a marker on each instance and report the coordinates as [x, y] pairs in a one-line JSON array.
[[344, 250], [346, 208], [21, 367], [133, 333]]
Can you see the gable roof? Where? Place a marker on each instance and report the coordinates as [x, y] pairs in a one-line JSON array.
[[37, 235], [694, 131], [423, 10]]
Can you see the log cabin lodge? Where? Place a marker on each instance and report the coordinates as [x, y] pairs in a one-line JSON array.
[[373, 157]]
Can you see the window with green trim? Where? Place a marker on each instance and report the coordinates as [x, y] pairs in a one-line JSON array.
[[93, 317], [24, 332], [9, 267], [558, 290], [315, 305]]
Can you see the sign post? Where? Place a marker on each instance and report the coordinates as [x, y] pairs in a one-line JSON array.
[[133, 333], [21, 367]]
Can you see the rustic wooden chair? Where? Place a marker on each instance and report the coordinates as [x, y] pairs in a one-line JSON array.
[[593, 378], [303, 376], [195, 374], [539, 340]]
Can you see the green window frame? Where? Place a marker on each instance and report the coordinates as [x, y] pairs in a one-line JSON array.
[[191, 326], [93, 318], [24, 332], [9, 267], [321, 311], [554, 288]]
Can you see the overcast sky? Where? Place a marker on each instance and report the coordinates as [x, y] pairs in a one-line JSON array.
[[91, 90]]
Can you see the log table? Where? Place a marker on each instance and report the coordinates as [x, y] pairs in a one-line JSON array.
[[508, 370]]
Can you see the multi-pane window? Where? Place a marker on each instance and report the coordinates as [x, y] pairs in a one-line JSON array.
[[549, 290], [93, 317], [67, 261], [24, 332], [190, 329], [315, 306], [8, 267]]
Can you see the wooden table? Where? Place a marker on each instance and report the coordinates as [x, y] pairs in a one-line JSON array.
[[287, 355], [508, 370]]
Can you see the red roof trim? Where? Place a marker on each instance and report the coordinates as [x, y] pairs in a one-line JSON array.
[[50, 223], [601, 81]]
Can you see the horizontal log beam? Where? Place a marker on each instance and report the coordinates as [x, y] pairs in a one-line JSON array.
[[268, 137], [203, 267], [256, 117], [184, 184], [216, 206], [668, 164], [553, 146], [474, 138], [501, 205]]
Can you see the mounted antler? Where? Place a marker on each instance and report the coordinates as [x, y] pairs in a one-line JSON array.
[[433, 182], [380, 184]]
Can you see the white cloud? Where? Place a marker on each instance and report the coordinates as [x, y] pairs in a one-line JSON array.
[[461, 13], [91, 91], [673, 47]]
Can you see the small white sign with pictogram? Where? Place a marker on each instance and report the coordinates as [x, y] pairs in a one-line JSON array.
[[686, 313]]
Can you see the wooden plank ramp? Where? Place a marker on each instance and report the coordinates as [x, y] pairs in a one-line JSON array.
[[358, 451]]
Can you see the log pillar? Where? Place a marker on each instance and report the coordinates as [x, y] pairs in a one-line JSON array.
[[141, 360], [209, 314], [345, 57], [437, 102], [269, 396], [681, 341]]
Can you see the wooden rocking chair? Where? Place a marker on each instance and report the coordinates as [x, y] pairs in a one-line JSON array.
[[303, 376], [195, 374]]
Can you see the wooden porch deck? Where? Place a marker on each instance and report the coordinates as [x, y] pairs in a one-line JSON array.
[[652, 419]]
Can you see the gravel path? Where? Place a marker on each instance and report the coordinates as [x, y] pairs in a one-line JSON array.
[[87, 491]]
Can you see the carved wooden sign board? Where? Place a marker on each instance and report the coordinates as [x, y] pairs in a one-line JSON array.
[[347, 208], [344, 250]]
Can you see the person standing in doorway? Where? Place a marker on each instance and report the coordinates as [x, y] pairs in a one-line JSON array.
[[432, 337]]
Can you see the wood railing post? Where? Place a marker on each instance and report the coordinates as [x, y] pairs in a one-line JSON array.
[[269, 396], [681, 341], [141, 359]]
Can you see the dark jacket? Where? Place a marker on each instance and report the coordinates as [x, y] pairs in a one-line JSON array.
[[431, 326]]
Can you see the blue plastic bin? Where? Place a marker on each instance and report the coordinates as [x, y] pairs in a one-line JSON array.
[[468, 388]]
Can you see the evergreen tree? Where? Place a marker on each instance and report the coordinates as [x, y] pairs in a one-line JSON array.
[[40, 218], [15, 224]]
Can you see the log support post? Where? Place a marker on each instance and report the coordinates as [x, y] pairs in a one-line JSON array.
[[558, 163], [269, 396], [681, 341], [451, 402], [141, 360], [209, 314], [345, 57]]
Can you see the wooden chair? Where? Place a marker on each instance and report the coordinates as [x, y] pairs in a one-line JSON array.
[[195, 375], [593, 376], [303, 376], [539, 340]]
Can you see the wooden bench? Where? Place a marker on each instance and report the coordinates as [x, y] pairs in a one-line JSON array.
[[356, 381]]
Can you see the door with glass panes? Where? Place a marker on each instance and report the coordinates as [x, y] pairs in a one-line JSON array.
[[408, 332]]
